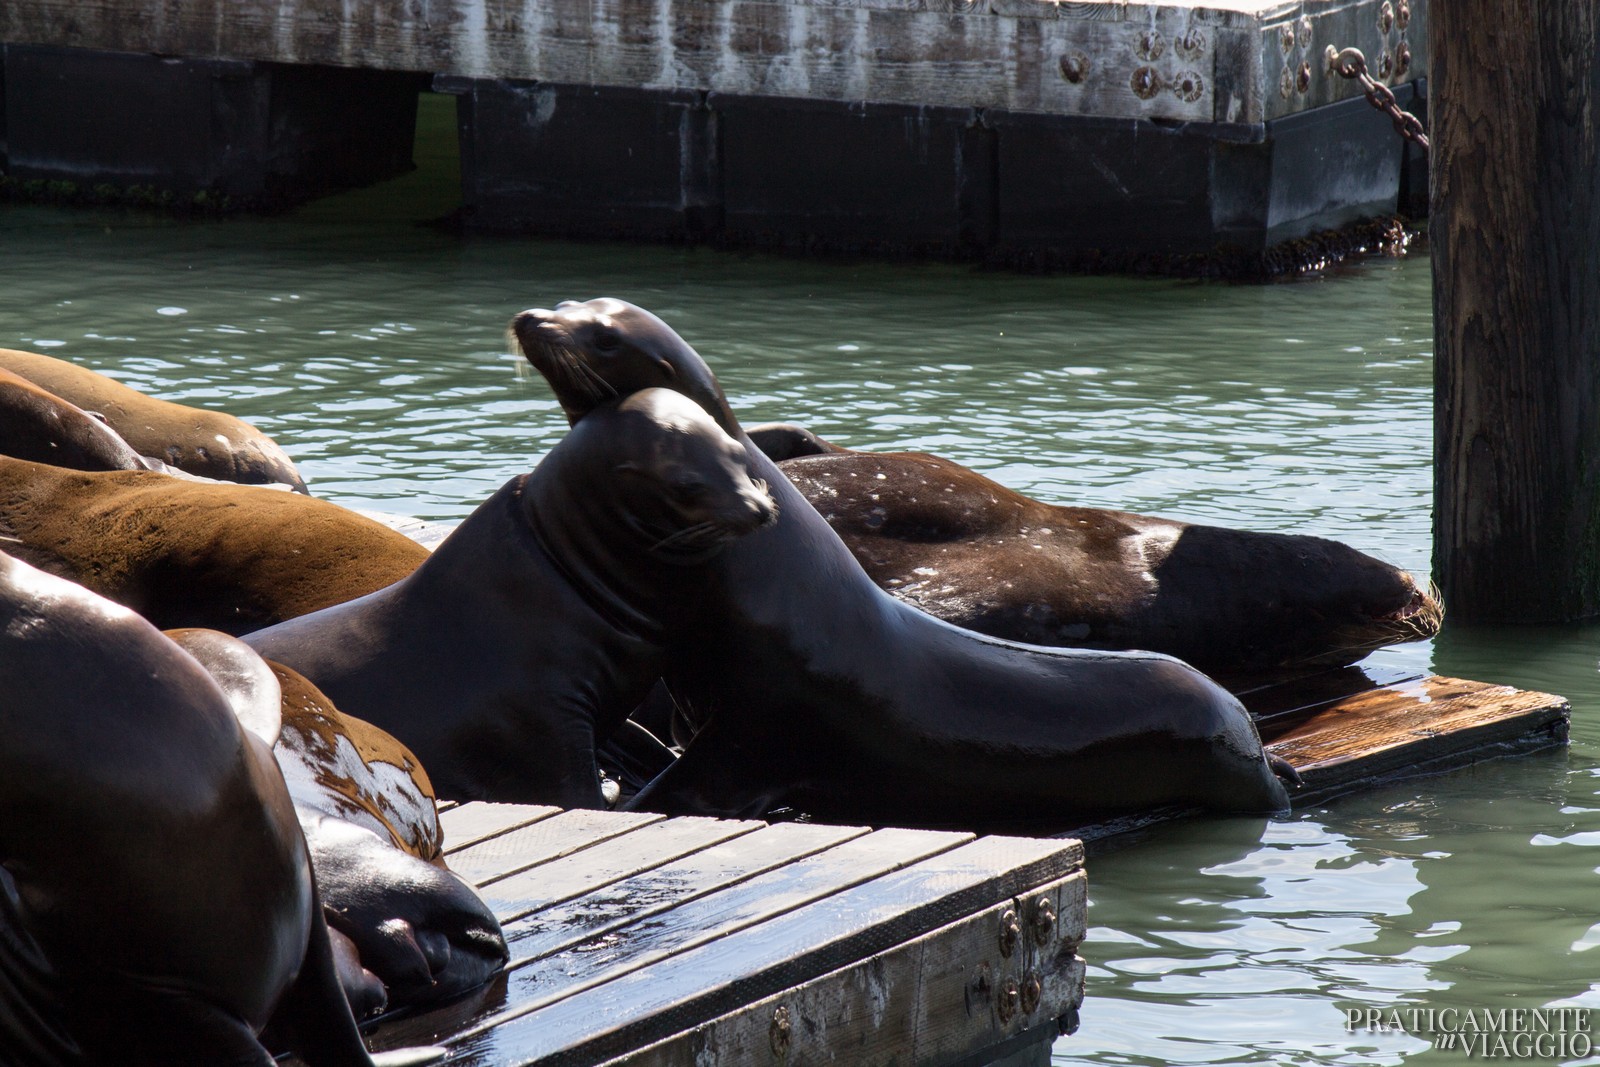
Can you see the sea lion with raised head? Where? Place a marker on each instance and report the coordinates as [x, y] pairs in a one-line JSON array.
[[212, 444], [974, 553], [183, 553], [538, 625], [810, 687], [157, 904], [366, 808]]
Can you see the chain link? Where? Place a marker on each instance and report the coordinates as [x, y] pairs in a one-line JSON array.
[[1351, 64]]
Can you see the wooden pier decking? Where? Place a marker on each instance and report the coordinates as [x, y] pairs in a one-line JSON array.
[[640, 939], [644, 940]]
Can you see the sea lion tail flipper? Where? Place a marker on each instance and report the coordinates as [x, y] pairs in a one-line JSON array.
[[1285, 770]]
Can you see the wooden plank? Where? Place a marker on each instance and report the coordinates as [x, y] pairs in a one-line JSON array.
[[710, 976], [466, 825], [541, 841], [634, 900], [940, 999], [1279, 709], [593, 868], [1422, 727]]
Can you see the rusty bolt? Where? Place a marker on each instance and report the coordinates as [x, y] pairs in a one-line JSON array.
[[1010, 929], [1192, 45], [1402, 15], [1146, 83], [1188, 85], [1386, 17], [1402, 59], [1075, 67], [780, 1032], [1151, 45], [1302, 77], [1010, 1000], [1386, 64], [1032, 989], [1286, 38], [1044, 920], [1303, 31]]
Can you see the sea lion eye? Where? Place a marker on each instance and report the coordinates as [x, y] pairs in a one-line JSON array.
[[606, 340]]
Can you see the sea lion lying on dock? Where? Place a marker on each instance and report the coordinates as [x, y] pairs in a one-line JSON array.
[[810, 687], [147, 917], [538, 625], [974, 553], [183, 553], [211, 444], [367, 810]]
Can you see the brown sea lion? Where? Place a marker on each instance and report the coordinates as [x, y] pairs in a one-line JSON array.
[[974, 553], [211, 444], [536, 627], [37, 425], [366, 808], [226, 557], [157, 904], [810, 687]]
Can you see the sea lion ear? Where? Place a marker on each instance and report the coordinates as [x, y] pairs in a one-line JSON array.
[[252, 689], [627, 467], [667, 368]]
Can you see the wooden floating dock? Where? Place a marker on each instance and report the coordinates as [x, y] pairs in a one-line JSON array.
[[685, 942], [1080, 132], [645, 940]]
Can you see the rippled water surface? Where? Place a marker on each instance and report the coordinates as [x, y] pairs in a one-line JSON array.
[[372, 349]]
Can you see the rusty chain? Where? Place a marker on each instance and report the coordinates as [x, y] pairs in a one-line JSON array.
[[1352, 64]]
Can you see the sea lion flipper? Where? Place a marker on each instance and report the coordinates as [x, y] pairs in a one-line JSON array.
[[407, 1057]]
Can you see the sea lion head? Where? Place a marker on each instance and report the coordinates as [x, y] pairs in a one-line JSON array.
[[593, 350], [680, 483]]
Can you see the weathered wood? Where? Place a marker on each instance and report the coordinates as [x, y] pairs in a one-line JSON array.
[[465, 825], [610, 908], [926, 1001], [540, 841], [1417, 728], [629, 855], [695, 983], [1231, 61], [1516, 251]]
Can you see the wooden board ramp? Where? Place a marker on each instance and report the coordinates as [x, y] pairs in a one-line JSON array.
[[644, 940]]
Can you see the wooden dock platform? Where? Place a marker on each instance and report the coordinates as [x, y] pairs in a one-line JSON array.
[[644, 940]]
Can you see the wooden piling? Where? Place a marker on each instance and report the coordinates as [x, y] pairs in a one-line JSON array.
[[1516, 260]]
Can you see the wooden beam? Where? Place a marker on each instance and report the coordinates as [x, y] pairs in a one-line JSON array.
[[1515, 103]]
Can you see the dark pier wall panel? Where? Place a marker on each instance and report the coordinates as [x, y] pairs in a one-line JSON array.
[[261, 134], [1030, 190]]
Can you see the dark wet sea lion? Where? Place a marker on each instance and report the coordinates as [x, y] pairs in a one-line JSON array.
[[181, 553], [534, 629], [37, 425], [367, 811], [811, 687], [211, 444], [974, 553], [157, 904]]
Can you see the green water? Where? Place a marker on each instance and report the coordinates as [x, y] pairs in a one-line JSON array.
[[372, 349]]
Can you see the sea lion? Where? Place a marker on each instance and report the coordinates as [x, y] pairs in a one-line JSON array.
[[535, 628], [157, 904], [974, 553], [37, 425], [225, 557], [211, 444], [366, 808], [810, 687]]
